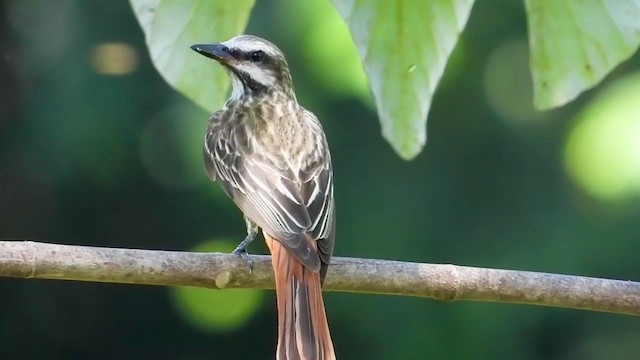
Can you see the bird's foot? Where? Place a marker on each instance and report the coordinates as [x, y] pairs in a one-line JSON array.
[[242, 252]]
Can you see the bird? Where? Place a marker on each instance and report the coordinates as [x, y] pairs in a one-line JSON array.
[[271, 157]]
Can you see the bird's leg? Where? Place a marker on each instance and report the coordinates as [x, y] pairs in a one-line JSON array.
[[241, 249]]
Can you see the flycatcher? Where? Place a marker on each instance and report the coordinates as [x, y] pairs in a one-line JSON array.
[[272, 159]]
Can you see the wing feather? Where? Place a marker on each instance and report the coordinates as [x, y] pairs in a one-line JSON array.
[[293, 207]]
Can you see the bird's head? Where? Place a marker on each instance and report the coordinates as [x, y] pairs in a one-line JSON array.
[[256, 66]]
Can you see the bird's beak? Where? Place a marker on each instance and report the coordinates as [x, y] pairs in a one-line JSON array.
[[214, 51]]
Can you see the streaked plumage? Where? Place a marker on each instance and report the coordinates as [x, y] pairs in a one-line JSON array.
[[271, 157]]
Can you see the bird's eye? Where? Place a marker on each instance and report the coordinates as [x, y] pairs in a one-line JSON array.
[[257, 56]]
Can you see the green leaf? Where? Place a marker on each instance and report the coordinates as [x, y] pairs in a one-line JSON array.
[[404, 46], [172, 26], [575, 44]]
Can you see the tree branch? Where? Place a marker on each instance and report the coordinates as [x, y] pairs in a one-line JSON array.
[[27, 259]]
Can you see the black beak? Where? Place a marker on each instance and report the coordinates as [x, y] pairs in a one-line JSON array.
[[214, 51]]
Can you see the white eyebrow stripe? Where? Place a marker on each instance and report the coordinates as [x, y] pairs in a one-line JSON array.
[[248, 44]]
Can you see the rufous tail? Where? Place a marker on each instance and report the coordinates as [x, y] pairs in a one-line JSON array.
[[303, 331]]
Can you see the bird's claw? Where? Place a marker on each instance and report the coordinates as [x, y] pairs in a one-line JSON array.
[[242, 252]]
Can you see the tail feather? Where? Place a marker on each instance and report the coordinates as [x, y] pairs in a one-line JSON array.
[[303, 331]]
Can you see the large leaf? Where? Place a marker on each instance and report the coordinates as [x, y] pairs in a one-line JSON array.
[[404, 46], [574, 44], [171, 26]]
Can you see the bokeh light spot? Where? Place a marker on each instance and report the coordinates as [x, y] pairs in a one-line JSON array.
[[508, 84], [114, 59], [171, 146], [337, 63], [602, 153], [327, 47], [217, 310]]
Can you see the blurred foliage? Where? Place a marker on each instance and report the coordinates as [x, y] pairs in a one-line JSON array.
[[316, 20], [96, 149]]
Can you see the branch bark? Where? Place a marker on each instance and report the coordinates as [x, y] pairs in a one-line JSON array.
[[27, 259]]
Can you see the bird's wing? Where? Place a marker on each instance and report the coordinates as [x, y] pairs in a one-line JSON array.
[[292, 207], [214, 127], [317, 190]]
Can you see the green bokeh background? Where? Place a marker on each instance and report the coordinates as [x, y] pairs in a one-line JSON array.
[[89, 158]]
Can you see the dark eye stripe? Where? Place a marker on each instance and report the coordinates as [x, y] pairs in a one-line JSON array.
[[257, 56]]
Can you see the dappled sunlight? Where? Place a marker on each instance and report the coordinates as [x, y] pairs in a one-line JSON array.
[[602, 154]]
